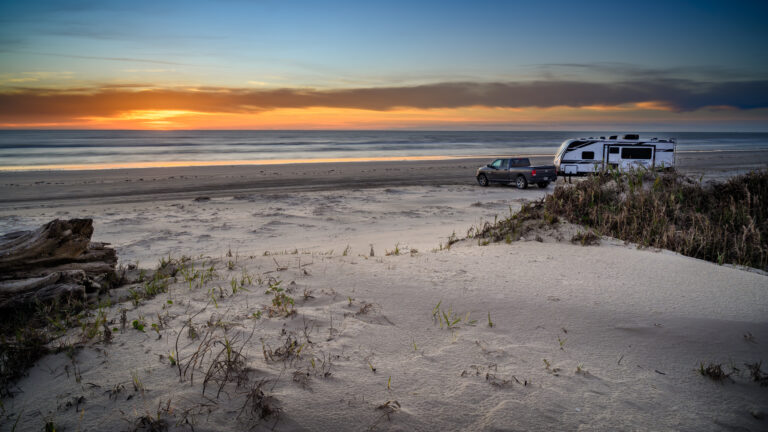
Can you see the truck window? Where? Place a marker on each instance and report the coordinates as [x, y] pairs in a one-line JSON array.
[[636, 153], [520, 162], [588, 155], [498, 163]]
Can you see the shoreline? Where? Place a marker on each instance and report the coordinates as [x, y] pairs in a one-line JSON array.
[[216, 163], [21, 189], [269, 162]]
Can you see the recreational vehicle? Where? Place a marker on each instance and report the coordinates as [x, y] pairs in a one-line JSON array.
[[589, 155]]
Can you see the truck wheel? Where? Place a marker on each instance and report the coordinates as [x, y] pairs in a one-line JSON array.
[[543, 184], [521, 182], [482, 180]]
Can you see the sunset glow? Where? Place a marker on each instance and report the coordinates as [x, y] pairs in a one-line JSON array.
[[318, 118], [491, 65]]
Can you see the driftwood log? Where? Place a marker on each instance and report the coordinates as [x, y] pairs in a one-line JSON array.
[[56, 261]]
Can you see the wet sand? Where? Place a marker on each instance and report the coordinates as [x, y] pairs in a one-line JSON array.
[[57, 188]]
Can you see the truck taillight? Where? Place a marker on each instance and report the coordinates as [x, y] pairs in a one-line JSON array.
[[533, 172]]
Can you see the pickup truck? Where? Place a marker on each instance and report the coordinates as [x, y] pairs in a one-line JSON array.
[[517, 171]]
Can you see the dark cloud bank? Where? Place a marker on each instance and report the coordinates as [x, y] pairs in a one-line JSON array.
[[679, 95]]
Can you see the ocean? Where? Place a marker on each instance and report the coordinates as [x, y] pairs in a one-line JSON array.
[[68, 149]]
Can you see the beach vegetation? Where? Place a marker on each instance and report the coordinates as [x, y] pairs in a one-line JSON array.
[[387, 408], [757, 374], [135, 296], [229, 365], [713, 371], [157, 285], [561, 342], [586, 238], [365, 308], [236, 285], [138, 386], [548, 366], [149, 423], [449, 318], [138, 325], [50, 426], [282, 303], [259, 405], [725, 222], [92, 329], [326, 364], [451, 240], [18, 352], [289, 351], [396, 251]]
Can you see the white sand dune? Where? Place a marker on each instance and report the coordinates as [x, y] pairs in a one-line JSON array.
[[623, 330], [635, 323]]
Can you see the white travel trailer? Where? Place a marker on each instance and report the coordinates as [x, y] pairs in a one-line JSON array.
[[589, 155]]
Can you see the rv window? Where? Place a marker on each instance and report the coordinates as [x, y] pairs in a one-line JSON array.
[[613, 150], [636, 153], [588, 155]]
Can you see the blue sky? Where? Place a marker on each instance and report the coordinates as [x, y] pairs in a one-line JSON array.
[[346, 44], [351, 43]]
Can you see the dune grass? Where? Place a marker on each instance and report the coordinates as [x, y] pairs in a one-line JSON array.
[[723, 222]]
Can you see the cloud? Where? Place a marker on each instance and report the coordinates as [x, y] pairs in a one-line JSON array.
[[671, 94], [87, 57]]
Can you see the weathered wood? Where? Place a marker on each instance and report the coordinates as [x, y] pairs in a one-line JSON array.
[[55, 261], [57, 242], [55, 286]]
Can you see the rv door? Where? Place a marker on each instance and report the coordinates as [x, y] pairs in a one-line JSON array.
[[633, 157], [614, 157]]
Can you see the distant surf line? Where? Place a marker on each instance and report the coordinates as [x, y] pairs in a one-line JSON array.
[[256, 162]]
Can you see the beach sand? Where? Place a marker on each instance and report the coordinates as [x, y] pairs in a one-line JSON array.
[[606, 337]]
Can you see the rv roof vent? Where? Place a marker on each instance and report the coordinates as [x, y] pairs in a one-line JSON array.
[[654, 139], [631, 137], [613, 137], [602, 137]]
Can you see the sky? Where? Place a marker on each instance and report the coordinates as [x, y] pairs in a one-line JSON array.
[[461, 65]]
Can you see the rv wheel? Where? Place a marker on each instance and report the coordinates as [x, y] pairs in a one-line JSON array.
[[543, 184], [521, 182], [482, 180]]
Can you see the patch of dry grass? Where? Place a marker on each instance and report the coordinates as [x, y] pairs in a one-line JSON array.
[[723, 223]]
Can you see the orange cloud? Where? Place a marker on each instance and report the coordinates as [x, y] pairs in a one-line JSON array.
[[473, 104]]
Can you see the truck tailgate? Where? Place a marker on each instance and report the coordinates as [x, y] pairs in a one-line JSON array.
[[544, 171]]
